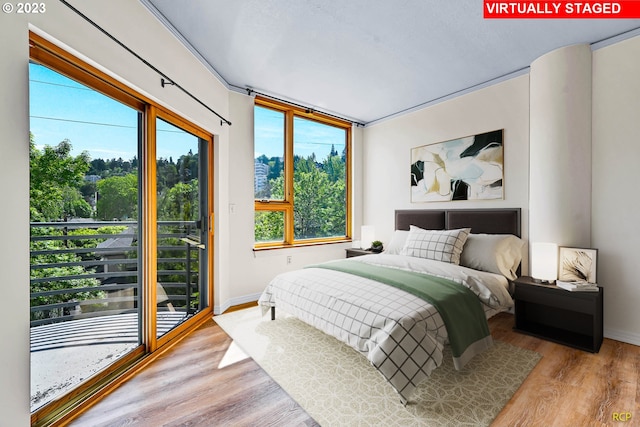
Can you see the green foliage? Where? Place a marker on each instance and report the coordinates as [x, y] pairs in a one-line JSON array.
[[74, 205], [187, 167], [55, 179], [180, 203], [88, 190], [319, 200], [118, 197], [269, 226], [58, 275], [113, 167], [334, 167], [111, 229], [92, 243], [62, 272], [167, 174], [59, 191], [275, 168], [319, 205]]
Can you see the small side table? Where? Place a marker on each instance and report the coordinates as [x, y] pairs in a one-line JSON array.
[[351, 252], [570, 318]]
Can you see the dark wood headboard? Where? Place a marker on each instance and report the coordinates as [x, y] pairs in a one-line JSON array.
[[490, 221]]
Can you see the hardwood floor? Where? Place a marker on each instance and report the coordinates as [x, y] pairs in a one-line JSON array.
[[187, 387], [571, 387]]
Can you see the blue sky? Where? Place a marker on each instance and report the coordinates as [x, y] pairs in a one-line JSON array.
[[61, 108], [309, 136]]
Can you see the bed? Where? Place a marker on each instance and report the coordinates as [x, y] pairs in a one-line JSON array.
[[442, 275]]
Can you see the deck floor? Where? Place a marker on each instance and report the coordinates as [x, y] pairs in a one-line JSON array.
[[65, 354]]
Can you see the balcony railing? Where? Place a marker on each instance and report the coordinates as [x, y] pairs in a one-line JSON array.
[[92, 268]]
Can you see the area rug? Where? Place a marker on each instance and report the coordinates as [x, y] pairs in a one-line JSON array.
[[337, 386]]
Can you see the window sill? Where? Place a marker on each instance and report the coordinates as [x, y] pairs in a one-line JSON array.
[[300, 245]]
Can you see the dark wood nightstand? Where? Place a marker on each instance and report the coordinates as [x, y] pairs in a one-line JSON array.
[[351, 252], [570, 318]]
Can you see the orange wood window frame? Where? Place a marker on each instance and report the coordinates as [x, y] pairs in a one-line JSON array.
[[286, 205], [69, 406]]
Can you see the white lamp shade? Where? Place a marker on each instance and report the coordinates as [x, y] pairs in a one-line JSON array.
[[544, 261], [367, 235]]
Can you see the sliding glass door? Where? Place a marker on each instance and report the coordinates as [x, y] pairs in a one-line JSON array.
[[120, 213], [85, 252], [183, 224]]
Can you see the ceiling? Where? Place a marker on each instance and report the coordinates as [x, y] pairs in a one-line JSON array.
[[366, 60]]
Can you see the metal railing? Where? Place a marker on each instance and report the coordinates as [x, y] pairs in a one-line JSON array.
[[92, 268]]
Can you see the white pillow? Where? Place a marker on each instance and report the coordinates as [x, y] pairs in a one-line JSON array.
[[495, 253], [397, 242], [439, 245]]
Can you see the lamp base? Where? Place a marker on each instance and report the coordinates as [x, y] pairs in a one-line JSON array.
[[544, 281]]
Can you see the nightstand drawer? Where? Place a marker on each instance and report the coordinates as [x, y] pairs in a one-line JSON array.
[[552, 313], [558, 298]]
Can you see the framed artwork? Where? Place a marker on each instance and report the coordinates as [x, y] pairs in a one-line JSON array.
[[576, 264], [469, 168]]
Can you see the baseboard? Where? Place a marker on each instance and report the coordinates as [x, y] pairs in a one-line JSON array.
[[624, 336], [219, 309]]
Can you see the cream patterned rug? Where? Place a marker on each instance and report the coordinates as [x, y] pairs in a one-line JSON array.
[[337, 386]]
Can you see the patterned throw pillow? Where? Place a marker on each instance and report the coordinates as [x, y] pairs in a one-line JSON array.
[[439, 245]]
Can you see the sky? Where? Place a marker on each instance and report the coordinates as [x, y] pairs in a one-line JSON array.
[[309, 136], [61, 108]]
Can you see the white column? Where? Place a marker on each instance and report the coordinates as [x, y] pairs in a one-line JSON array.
[[560, 147]]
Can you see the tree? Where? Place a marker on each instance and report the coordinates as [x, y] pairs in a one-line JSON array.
[[305, 165], [319, 201], [180, 203], [334, 167], [187, 167], [56, 177], [319, 206], [98, 166], [276, 168], [269, 226], [74, 205], [59, 280], [117, 197], [262, 159], [55, 262]]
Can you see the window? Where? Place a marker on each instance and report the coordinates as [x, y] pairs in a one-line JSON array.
[[301, 176], [120, 213]]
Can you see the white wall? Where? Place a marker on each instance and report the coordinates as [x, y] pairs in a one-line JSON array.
[[14, 215], [132, 24], [616, 173], [560, 147], [251, 271], [387, 147]]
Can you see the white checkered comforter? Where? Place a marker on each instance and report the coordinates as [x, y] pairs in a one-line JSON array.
[[400, 334]]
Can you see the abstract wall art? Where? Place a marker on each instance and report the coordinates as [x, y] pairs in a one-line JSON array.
[[469, 168]]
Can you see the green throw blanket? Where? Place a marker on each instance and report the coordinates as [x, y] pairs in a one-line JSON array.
[[458, 306]]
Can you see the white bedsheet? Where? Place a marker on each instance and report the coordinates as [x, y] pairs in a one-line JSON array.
[[400, 334]]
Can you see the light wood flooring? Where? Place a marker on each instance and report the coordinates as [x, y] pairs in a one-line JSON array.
[[185, 387]]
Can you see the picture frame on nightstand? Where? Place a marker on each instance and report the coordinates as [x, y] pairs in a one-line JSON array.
[[577, 264]]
